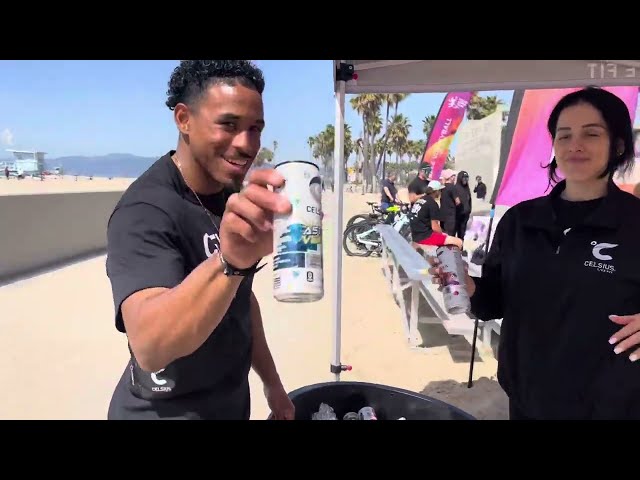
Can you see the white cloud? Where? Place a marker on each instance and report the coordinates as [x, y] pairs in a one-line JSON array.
[[6, 137]]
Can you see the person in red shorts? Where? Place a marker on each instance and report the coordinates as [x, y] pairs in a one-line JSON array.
[[425, 216]]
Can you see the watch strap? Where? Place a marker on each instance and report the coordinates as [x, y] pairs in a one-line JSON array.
[[232, 271]]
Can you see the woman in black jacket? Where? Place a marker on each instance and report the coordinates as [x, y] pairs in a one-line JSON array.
[[563, 273]]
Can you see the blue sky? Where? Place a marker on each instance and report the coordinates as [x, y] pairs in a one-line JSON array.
[[99, 107]]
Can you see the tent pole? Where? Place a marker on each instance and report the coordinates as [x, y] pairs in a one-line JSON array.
[[338, 182]]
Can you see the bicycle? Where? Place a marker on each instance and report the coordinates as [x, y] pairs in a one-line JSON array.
[[375, 214], [367, 239]]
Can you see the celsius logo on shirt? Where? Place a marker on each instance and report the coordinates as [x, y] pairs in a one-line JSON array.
[[161, 382], [207, 239], [599, 253]]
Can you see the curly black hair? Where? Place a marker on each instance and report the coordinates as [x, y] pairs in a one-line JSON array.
[[192, 78]]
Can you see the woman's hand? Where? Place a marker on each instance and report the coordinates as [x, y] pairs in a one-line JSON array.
[[628, 336], [440, 278]]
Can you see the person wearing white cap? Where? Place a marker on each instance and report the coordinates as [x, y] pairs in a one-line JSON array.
[[425, 216]]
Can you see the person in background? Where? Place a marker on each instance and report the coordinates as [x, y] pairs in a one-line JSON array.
[[463, 209], [389, 196], [6, 172], [449, 201], [389, 191], [423, 176], [425, 216], [563, 272], [183, 247], [480, 189]]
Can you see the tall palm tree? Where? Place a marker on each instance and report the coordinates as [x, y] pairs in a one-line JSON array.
[[427, 125], [368, 105], [389, 99], [400, 128], [310, 142], [324, 145]]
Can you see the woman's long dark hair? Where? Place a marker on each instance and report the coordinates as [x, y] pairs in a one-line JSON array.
[[616, 116]]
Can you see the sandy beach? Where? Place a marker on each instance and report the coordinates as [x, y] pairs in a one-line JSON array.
[[62, 355], [61, 184]]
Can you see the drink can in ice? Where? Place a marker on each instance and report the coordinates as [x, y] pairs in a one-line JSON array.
[[297, 237], [456, 297], [367, 413]]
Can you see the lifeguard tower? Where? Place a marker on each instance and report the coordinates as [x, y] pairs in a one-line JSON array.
[[28, 162]]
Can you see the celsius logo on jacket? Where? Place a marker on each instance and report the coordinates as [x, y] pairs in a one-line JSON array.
[[600, 253]]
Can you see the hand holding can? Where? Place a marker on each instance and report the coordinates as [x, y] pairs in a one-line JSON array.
[[450, 272], [297, 236]]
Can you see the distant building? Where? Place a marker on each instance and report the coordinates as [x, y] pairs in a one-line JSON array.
[[28, 162]]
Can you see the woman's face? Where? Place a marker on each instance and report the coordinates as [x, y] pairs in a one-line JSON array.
[[581, 145]]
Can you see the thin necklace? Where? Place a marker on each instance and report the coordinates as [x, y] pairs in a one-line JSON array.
[[206, 210]]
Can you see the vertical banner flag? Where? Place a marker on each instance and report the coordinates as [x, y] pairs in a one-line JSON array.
[[448, 120], [531, 146]]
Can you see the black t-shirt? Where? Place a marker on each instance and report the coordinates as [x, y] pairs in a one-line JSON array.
[[157, 234], [423, 211], [570, 214], [392, 188], [447, 201], [417, 181]]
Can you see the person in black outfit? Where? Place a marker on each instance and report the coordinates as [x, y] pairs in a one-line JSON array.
[[422, 178], [563, 273], [425, 216], [480, 189], [183, 247], [463, 209], [449, 201]]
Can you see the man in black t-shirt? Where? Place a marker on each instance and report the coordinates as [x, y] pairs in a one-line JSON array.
[[389, 194], [425, 216], [183, 248], [422, 177]]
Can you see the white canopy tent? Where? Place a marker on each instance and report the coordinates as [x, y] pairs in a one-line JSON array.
[[425, 76]]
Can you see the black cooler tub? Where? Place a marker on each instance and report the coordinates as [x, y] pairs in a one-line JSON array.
[[390, 403]]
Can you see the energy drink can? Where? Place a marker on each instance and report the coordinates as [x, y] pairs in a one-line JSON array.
[[297, 240], [454, 289]]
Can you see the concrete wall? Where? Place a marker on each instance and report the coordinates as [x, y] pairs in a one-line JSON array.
[[41, 231]]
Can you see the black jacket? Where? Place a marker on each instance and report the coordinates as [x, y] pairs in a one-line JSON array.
[[555, 293], [464, 192]]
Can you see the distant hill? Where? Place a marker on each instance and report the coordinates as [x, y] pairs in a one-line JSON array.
[[112, 165]]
